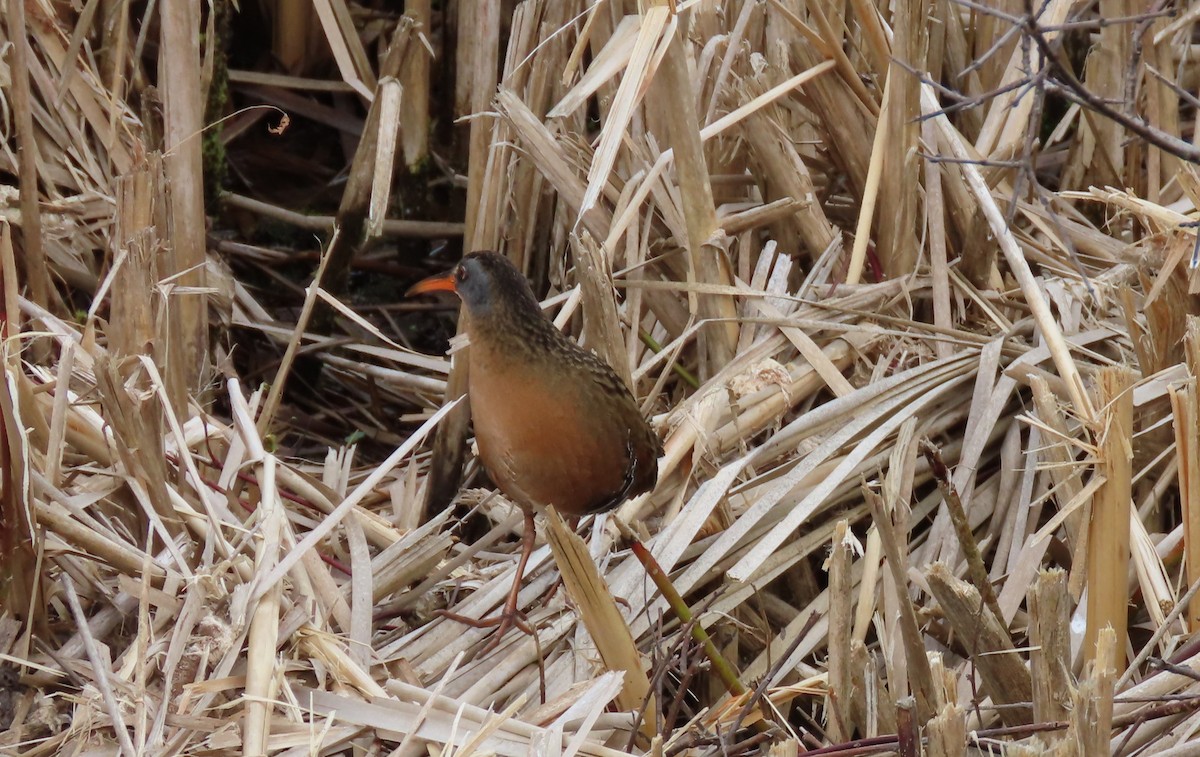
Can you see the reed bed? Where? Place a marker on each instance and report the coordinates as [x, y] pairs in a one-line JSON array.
[[908, 289]]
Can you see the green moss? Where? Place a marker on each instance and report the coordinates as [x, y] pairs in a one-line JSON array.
[[213, 160], [213, 157]]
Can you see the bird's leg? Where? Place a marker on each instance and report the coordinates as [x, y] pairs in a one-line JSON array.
[[510, 616]]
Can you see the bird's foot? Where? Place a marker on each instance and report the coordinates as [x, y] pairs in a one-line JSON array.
[[502, 622]]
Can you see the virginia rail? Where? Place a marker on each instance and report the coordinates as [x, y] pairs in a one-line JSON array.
[[555, 425]]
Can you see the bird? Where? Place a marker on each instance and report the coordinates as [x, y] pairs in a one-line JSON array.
[[554, 424]]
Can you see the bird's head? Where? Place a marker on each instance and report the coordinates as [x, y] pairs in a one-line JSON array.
[[487, 283]]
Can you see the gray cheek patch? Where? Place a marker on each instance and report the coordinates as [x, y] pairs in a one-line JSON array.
[[475, 295]]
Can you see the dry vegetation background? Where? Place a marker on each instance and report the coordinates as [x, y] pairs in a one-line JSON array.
[[908, 288]]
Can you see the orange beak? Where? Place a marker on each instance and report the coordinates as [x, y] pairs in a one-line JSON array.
[[442, 283]]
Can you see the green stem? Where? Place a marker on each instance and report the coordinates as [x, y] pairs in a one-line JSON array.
[[722, 666], [680, 371]]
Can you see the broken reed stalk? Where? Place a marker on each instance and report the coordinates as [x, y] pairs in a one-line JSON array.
[[1185, 405], [133, 315], [894, 539], [602, 618], [897, 245], [1059, 459], [183, 122], [414, 77], [962, 528], [1092, 705], [946, 731], [1108, 531], [908, 739], [601, 319], [1050, 646], [34, 258], [22, 533], [841, 686], [481, 78], [1003, 674], [870, 200], [706, 258], [370, 176]]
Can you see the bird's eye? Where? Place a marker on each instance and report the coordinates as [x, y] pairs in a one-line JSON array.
[[460, 274]]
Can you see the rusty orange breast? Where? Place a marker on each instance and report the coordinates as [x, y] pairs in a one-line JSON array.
[[545, 434]]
